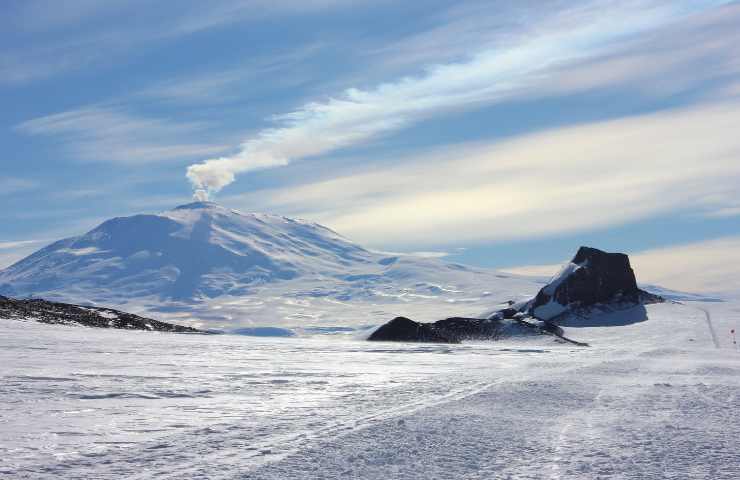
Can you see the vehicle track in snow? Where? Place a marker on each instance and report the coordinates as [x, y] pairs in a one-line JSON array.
[[712, 332], [233, 449], [217, 461]]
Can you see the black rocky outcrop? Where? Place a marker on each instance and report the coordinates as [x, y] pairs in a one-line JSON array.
[[64, 313], [449, 330], [458, 329], [593, 277], [402, 329]]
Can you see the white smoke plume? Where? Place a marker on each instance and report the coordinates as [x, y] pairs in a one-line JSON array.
[[487, 77], [200, 195]]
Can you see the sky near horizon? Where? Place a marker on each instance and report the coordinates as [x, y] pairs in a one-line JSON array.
[[500, 133]]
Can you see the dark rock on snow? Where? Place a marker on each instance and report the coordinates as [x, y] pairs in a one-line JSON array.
[[402, 329], [449, 330], [458, 329], [593, 280], [63, 313]]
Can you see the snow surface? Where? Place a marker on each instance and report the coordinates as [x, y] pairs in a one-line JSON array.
[[207, 266], [655, 397]]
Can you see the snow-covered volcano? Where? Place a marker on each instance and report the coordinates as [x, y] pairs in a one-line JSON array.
[[206, 261], [194, 250]]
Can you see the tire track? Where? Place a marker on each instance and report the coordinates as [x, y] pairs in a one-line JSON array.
[[708, 316]]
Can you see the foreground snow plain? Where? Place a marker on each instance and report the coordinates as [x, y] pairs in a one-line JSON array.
[[657, 397]]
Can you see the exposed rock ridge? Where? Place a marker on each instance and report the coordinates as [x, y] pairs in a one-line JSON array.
[[63, 313]]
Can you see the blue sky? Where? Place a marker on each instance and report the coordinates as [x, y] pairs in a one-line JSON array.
[[504, 133]]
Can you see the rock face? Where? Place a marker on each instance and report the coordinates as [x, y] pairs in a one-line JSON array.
[[63, 313], [592, 277]]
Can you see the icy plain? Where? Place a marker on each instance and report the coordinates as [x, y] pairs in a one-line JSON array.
[[657, 396]]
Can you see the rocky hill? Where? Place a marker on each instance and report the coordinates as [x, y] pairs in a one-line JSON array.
[[66, 314]]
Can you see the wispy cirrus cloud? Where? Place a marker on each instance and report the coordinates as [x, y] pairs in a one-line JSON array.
[[710, 266], [12, 251], [10, 185], [251, 78], [87, 33], [684, 56], [489, 76], [108, 133], [559, 181], [17, 244]]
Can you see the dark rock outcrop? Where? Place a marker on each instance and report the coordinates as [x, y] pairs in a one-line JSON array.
[[64, 313], [593, 277], [458, 329], [449, 330], [402, 329]]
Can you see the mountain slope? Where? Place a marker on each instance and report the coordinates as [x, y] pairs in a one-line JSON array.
[[202, 262]]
